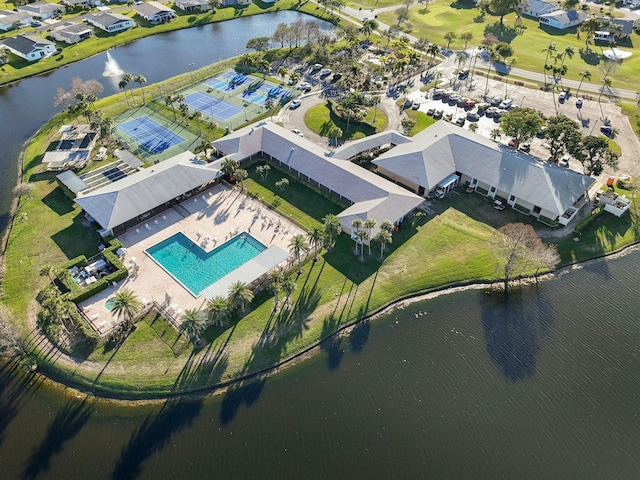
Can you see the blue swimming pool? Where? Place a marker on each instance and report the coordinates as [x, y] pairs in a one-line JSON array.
[[194, 268]]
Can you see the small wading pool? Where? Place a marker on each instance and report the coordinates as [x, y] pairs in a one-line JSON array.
[[194, 268], [109, 304]]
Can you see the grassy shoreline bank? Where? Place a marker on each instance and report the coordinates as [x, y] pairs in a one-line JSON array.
[[334, 294]]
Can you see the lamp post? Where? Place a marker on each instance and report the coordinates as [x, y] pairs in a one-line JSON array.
[[191, 70]]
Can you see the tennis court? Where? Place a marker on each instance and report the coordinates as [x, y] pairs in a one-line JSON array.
[[266, 91], [151, 136], [229, 81], [214, 107]]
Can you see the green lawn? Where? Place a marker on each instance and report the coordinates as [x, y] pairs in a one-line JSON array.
[[321, 119], [422, 120], [528, 46]]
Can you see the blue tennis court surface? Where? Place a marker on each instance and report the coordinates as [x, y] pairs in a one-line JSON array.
[[264, 92], [214, 107], [150, 134], [229, 81]]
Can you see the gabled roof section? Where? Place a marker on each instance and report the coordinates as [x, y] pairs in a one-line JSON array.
[[118, 202], [107, 19], [566, 16], [151, 8], [26, 43], [356, 147], [347, 179]]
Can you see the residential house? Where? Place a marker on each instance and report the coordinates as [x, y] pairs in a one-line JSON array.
[[30, 47], [9, 20], [41, 10], [615, 28], [444, 154], [231, 3], [81, 3], [193, 5], [535, 8], [155, 12], [71, 33], [370, 196], [563, 19], [110, 22]]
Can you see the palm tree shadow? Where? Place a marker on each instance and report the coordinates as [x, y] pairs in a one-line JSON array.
[[66, 425], [245, 394], [154, 433]]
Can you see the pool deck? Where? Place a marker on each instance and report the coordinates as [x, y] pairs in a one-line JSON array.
[[208, 219]]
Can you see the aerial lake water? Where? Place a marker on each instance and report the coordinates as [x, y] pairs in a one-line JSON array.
[[542, 384]]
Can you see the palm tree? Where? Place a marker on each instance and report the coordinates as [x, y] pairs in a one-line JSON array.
[[268, 105], [141, 80], [332, 229], [282, 72], [276, 278], [240, 174], [335, 132], [512, 63], [433, 50], [239, 296], [263, 66], [218, 311], [169, 101], [586, 74], [297, 246], [368, 27], [362, 237], [495, 133], [192, 324], [288, 287], [550, 49], [294, 77], [369, 225], [387, 226], [122, 85], [492, 58], [128, 78], [126, 306], [466, 37], [356, 225], [383, 237], [461, 59], [606, 83], [450, 37], [229, 166], [316, 238], [263, 171]]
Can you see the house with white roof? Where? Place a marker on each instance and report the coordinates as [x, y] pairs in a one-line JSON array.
[[535, 8], [193, 5], [110, 22], [71, 33], [30, 47], [126, 202], [437, 154], [42, 10], [9, 19], [563, 19], [154, 12], [369, 195]]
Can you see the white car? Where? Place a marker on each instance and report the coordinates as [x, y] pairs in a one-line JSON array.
[[304, 86], [506, 104], [562, 97], [579, 102], [325, 72], [297, 132], [295, 104]]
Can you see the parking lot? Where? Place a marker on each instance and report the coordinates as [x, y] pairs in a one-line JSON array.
[[591, 116]]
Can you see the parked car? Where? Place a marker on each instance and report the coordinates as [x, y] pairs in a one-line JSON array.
[[468, 103], [562, 97], [607, 130], [447, 117], [579, 102], [438, 114], [437, 93], [297, 132], [455, 98], [316, 67], [496, 101], [491, 111], [460, 121], [542, 133], [407, 103], [295, 104], [473, 117], [506, 104], [337, 76], [448, 93], [325, 72], [303, 86], [564, 161], [525, 147], [463, 101], [512, 143], [464, 73], [482, 106], [415, 106], [431, 112]]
